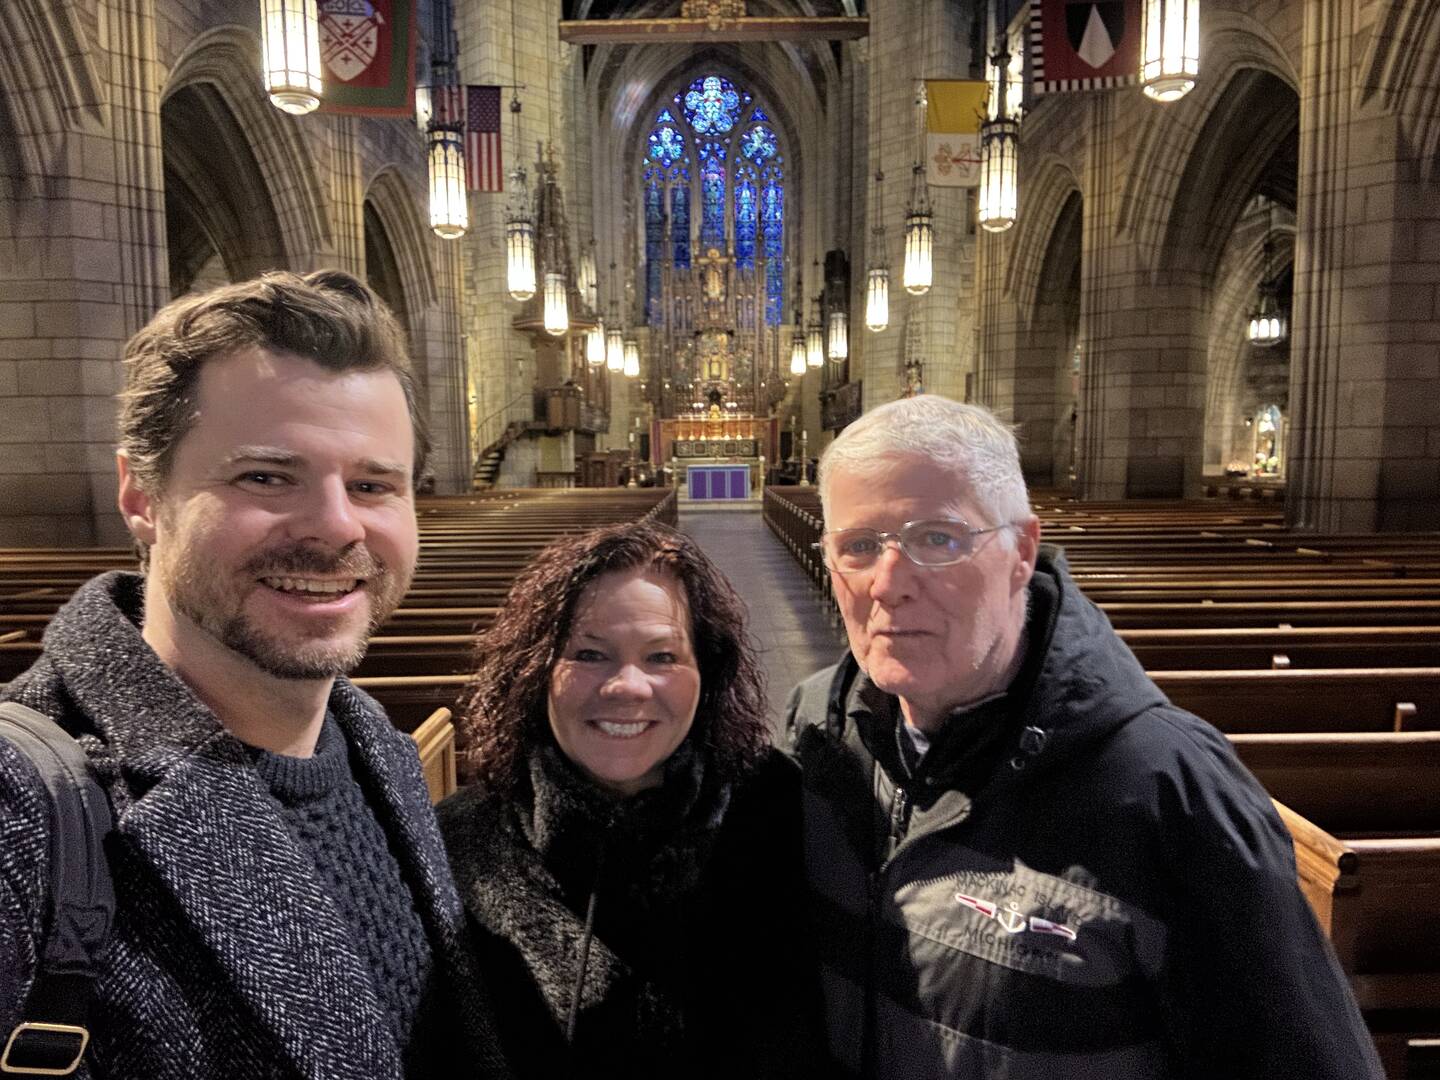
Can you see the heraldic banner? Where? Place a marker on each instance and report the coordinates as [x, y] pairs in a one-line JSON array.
[[1084, 44], [367, 48], [953, 111]]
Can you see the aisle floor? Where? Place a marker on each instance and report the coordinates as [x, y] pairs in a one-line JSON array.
[[788, 617]]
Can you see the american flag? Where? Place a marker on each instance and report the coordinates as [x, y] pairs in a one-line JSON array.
[[482, 139], [484, 169]]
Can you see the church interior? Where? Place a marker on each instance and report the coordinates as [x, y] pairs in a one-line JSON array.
[[653, 255]]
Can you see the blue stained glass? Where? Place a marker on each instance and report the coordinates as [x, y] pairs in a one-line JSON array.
[[654, 241], [759, 144], [713, 149], [667, 145], [758, 115], [772, 228], [745, 225], [665, 117], [712, 104], [712, 191], [680, 221]]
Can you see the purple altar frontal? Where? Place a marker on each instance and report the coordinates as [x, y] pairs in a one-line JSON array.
[[712, 482]]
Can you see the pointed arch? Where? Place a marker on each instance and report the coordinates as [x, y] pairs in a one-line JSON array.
[[225, 60]]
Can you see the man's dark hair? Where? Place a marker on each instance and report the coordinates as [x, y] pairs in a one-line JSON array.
[[327, 316], [505, 708]]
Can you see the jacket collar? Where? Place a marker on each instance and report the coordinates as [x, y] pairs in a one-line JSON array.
[[1076, 684], [191, 805]]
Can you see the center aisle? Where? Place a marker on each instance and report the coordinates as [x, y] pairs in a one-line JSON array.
[[788, 618]]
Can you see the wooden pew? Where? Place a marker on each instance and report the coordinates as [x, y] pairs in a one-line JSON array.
[[435, 740], [1379, 899], [1329, 700]]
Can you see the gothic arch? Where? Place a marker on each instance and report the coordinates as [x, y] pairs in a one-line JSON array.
[[1173, 135], [395, 207], [1047, 197], [224, 60], [1251, 122], [1404, 38], [48, 79]]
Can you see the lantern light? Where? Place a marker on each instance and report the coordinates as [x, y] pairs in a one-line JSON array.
[[519, 240], [997, 204], [877, 299], [632, 358], [557, 304], [797, 353], [449, 213], [1170, 40], [595, 344], [290, 45], [814, 345], [838, 344], [919, 237]]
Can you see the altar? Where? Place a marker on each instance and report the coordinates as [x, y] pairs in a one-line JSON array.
[[714, 482]]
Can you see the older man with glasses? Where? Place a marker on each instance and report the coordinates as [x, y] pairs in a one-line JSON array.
[[1025, 861]]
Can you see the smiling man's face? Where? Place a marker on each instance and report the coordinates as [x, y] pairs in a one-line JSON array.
[[285, 531], [936, 637]]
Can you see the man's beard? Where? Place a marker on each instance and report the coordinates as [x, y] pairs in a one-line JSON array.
[[203, 596]]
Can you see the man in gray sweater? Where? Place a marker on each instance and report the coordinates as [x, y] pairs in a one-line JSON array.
[[284, 908]]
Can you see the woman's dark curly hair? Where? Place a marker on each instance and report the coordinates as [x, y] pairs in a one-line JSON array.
[[505, 707]]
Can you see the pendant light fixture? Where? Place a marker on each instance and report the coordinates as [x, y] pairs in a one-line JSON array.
[[919, 236], [1170, 48], [614, 336], [877, 278], [595, 344], [290, 51], [519, 225], [631, 367], [837, 343], [1268, 325], [449, 204], [998, 199], [814, 337]]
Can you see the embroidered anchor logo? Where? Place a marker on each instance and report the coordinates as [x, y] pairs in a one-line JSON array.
[[1012, 921]]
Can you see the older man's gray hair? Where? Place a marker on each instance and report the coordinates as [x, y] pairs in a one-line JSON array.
[[968, 440]]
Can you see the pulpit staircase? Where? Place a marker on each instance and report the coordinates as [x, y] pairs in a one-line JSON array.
[[487, 465]]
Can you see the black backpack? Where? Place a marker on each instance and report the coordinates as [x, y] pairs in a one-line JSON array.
[[53, 1032]]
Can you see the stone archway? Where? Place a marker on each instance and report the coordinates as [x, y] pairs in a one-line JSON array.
[[216, 200]]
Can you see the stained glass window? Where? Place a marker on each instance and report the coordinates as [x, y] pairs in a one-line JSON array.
[[758, 145], [712, 105], [667, 145], [712, 190], [772, 228], [654, 239], [728, 169], [746, 218], [680, 219]]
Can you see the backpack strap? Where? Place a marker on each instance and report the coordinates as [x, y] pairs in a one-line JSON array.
[[51, 1037]]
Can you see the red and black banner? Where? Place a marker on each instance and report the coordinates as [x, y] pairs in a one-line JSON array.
[[1084, 44], [367, 51]]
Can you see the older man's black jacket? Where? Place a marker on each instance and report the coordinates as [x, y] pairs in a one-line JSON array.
[[1077, 880]]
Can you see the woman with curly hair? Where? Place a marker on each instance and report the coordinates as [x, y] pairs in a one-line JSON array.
[[630, 850]]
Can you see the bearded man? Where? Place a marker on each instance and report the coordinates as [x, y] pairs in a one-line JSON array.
[[283, 905]]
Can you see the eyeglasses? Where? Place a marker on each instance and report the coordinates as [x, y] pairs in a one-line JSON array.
[[938, 542]]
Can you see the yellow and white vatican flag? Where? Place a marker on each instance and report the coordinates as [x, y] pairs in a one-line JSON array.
[[954, 110]]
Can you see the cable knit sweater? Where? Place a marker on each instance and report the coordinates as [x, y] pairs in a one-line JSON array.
[[697, 962]]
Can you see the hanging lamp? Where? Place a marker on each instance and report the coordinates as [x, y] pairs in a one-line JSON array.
[[837, 344], [290, 51], [814, 338], [998, 200], [614, 336], [519, 226], [1170, 48], [631, 367], [919, 236], [877, 278], [595, 344], [1268, 325]]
